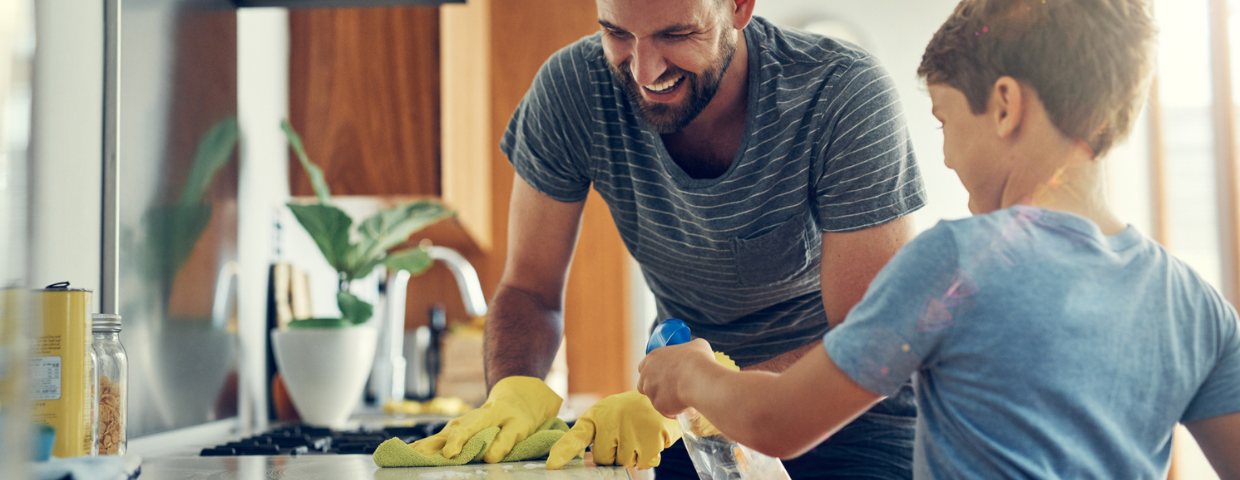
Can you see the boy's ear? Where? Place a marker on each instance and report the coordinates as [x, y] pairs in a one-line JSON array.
[[1007, 104]]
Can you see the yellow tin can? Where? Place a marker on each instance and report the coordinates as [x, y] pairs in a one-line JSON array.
[[61, 376]]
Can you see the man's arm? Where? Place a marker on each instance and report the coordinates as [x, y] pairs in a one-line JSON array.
[[1219, 438], [527, 313], [851, 260]]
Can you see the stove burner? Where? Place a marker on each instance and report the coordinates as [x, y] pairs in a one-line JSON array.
[[301, 440]]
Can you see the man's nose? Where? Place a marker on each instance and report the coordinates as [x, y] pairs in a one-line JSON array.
[[647, 64]]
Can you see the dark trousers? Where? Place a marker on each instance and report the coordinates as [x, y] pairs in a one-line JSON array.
[[874, 446]]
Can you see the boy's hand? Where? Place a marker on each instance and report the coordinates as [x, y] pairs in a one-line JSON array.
[[666, 370]]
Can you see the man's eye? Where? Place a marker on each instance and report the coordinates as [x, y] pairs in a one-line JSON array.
[[618, 34], [677, 36]]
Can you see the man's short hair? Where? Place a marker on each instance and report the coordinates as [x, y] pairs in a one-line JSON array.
[[1090, 61]]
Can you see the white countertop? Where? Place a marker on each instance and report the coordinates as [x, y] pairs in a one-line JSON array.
[[351, 467], [174, 456]]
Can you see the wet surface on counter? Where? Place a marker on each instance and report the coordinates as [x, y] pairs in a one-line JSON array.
[[348, 467]]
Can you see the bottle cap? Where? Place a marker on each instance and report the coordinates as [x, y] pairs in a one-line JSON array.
[[105, 321], [670, 332]]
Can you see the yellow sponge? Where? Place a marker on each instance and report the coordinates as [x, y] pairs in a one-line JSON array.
[[726, 361], [538, 444], [395, 453]]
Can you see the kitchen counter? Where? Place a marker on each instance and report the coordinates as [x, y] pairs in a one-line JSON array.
[[174, 456], [350, 467]]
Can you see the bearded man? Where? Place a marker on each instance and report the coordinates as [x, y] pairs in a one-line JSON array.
[[761, 176]]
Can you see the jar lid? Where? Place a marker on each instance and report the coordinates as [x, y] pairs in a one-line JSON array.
[[106, 321]]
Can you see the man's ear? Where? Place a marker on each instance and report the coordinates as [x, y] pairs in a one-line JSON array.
[[1007, 106], [742, 13]]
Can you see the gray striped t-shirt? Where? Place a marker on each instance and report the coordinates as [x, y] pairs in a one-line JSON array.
[[736, 257]]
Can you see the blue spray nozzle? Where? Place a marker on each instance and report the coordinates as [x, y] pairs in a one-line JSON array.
[[670, 332]]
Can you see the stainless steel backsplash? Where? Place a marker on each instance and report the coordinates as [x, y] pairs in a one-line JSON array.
[[177, 192]]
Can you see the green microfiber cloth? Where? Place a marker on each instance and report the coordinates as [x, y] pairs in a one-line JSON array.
[[395, 453]]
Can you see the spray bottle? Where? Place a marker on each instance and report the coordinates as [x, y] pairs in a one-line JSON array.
[[715, 456]]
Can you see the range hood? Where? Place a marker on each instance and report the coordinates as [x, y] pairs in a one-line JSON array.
[[339, 3]]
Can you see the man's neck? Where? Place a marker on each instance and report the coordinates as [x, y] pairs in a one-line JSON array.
[[707, 146]]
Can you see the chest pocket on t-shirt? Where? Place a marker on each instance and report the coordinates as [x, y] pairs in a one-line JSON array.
[[777, 255]]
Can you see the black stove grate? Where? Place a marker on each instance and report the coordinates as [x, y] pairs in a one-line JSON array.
[[304, 440]]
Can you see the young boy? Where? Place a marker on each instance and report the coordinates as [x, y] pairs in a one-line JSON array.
[[1047, 339]]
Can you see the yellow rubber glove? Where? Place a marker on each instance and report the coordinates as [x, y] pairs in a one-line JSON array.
[[625, 430], [517, 405]]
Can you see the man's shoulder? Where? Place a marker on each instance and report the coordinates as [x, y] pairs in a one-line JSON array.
[[789, 46], [582, 56], [817, 66]]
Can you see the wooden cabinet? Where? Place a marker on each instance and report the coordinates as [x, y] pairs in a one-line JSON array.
[[413, 101], [364, 94]]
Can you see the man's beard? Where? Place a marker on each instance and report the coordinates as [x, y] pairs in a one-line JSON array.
[[667, 117]]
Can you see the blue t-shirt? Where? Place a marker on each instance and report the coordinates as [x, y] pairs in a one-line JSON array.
[[1041, 348], [737, 257]]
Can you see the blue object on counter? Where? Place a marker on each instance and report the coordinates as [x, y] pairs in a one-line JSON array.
[[103, 467], [44, 437], [671, 332]]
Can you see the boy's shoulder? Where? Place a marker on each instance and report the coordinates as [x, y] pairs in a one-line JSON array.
[[985, 228], [1021, 224], [1029, 236]]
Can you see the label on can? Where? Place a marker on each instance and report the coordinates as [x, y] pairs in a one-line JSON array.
[[45, 378]]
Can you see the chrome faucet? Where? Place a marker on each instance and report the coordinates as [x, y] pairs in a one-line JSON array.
[[466, 279], [388, 378]]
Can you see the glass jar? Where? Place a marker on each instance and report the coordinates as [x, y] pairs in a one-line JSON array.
[[113, 374], [94, 399]]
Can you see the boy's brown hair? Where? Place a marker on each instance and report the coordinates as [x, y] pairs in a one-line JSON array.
[[1090, 61]]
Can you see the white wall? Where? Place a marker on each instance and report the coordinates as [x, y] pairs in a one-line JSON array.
[[67, 144], [262, 101]]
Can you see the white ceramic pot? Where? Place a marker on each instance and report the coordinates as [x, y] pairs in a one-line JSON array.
[[325, 370]]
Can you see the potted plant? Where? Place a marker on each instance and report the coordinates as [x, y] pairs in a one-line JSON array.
[[325, 362]]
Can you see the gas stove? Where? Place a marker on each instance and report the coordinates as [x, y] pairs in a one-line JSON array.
[[307, 440]]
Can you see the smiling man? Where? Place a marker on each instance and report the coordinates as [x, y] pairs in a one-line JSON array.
[[761, 177]]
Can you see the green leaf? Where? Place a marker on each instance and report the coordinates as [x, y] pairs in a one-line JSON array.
[[316, 175], [173, 233], [329, 227], [413, 260], [393, 226], [361, 271], [354, 309], [319, 323], [214, 151]]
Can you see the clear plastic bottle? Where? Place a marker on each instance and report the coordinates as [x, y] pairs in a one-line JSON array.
[[714, 455], [113, 389]]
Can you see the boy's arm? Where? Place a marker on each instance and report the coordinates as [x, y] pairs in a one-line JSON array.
[[1219, 438], [781, 415]]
